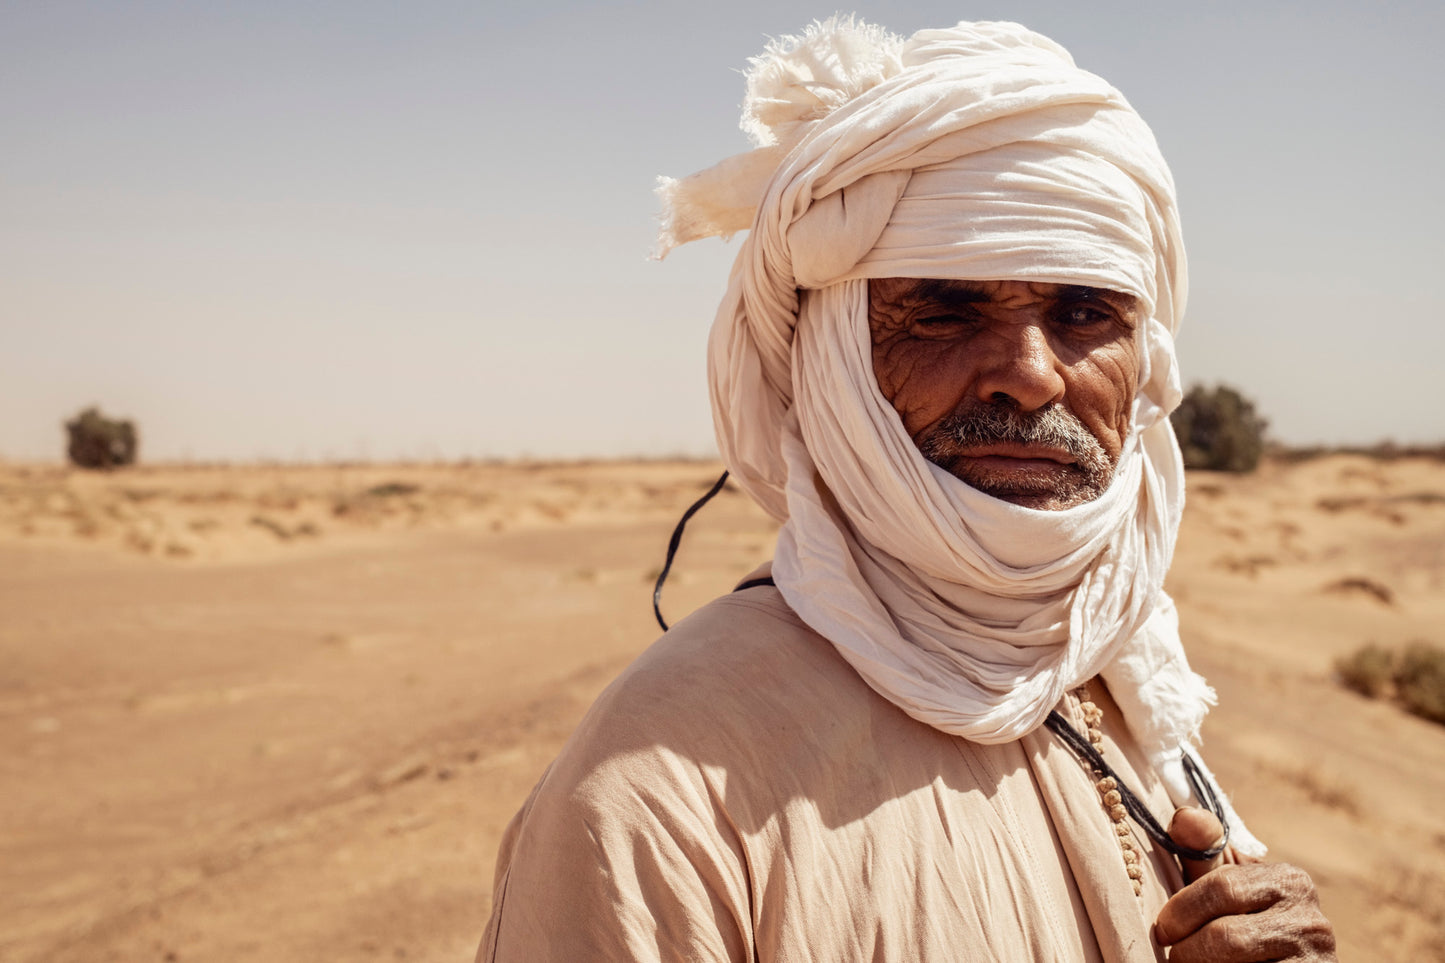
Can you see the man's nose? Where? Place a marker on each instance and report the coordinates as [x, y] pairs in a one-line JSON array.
[[1020, 364]]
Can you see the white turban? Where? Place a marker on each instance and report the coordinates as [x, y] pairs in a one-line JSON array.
[[980, 152]]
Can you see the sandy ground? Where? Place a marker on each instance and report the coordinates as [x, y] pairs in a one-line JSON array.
[[283, 714]]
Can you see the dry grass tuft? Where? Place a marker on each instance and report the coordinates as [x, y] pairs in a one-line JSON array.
[[1414, 678], [1420, 681], [1370, 671], [1365, 586], [1241, 565]]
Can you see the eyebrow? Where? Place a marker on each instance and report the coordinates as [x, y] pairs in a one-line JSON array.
[[1084, 292], [1122, 301], [950, 292], [945, 291]]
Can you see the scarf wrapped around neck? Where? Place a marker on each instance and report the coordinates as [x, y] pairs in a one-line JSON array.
[[979, 152]]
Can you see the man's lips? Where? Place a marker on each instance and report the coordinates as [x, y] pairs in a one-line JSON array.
[[1006, 454]]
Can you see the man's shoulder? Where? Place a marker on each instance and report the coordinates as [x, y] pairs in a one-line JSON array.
[[742, 666], [743, 638], [740, 701]]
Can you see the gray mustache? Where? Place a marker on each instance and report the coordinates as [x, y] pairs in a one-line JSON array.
[[1051, 427]]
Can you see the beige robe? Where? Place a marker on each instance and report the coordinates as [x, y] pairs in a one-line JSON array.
[[739, 793]]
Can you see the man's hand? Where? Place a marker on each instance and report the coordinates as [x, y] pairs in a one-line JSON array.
[[1238, 910]]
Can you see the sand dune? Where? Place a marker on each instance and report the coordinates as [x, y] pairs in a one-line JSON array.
[[277, 713]]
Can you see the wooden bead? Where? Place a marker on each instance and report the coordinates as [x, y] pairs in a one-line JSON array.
[[1110, 795]]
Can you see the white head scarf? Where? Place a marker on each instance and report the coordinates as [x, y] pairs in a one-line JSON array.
[[980, 152]]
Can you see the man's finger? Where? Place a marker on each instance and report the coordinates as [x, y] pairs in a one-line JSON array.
[[1244, 913], [1236, 938], [1198, 829], [1228, 891]]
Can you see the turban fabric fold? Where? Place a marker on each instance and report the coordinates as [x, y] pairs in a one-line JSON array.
[[979, 152]]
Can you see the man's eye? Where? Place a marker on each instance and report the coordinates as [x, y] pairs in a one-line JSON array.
[[1084, 315]]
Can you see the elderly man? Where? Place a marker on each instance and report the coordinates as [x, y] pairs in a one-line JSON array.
[[941, 725]]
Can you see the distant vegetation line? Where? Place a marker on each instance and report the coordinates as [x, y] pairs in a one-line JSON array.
[[1274, 451], [1382, 450], [498, 461]]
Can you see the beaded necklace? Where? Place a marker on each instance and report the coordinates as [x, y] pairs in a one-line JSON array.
[[1121, 803], [1109, 793]]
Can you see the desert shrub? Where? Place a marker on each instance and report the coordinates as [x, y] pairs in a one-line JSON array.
[[100, 442], [1415, 678], [1369, 671], [1420, 681], [1219, 429], [390, 489]]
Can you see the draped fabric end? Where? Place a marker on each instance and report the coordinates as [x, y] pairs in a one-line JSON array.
[[717, 202], [976, 152]]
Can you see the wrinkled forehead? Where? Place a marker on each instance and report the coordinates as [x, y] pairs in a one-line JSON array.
[[1022, 212]]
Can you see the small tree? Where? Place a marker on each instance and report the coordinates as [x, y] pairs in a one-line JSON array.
[[1219, 429], [100, 442]]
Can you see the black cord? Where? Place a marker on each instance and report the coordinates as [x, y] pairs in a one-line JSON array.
[[676, 541], [1090, 757], [755, 583]]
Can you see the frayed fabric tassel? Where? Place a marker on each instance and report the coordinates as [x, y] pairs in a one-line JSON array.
[[717, 202]]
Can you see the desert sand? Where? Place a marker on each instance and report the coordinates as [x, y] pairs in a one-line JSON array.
[[283, 713]]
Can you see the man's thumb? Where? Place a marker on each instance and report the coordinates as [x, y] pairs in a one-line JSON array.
[[1198, 829]]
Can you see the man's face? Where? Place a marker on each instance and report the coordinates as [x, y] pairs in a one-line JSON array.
[[1021, 389]]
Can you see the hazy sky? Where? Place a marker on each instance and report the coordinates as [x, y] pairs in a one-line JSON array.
[[355, 229]]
